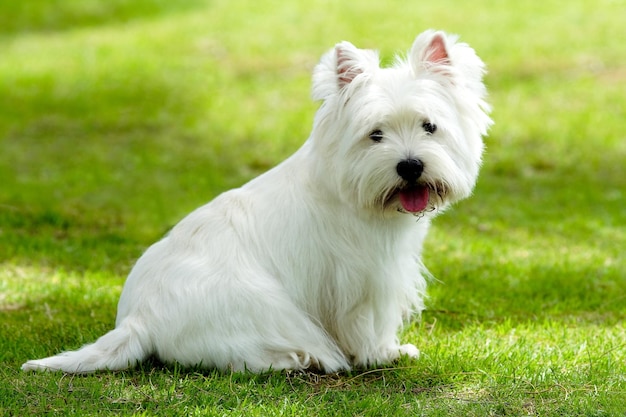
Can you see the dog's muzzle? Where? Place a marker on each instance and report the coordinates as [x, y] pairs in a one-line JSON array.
[[414, 197]]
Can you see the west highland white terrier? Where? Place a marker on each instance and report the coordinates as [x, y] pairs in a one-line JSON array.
[[315, 263]]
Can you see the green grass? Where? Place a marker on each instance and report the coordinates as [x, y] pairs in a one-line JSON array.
[[117, 118]]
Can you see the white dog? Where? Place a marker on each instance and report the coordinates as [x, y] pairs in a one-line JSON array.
[[317, 262]]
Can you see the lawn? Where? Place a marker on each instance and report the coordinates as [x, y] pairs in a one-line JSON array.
[[117, 118]]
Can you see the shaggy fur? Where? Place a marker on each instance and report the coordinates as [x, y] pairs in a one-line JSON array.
[[315, 263]]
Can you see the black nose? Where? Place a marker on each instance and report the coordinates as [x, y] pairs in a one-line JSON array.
[[410, 169]]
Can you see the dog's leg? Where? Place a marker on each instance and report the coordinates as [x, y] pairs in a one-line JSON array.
[[258, 335], [369, 337], [242, 319]]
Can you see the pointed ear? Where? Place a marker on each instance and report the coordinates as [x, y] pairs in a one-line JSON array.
[[339, 67], [436, 53], [430, 53], [347, 63]]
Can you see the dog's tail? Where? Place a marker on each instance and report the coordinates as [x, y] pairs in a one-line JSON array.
[[119, 349]]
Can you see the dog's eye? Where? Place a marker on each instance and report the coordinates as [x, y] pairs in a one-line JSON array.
[[429, 127], [376, 135]]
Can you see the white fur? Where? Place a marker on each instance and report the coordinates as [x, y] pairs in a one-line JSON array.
[[314, 263]]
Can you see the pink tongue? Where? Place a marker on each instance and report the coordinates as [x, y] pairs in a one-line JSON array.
[[414, 200]]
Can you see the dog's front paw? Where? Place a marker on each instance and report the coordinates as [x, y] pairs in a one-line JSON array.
[[409, 350]]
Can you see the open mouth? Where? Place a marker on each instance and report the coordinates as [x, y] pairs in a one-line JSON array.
[[417, 198], [414, 199]]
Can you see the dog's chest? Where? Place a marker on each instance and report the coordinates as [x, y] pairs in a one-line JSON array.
[[337, 268]]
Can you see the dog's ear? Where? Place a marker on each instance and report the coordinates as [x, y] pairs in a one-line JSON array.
[[440, 57], [348, 63], [429, 53], [339, 67], [436, 53]]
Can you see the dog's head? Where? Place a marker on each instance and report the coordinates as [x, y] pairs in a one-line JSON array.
[[406, 138]]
